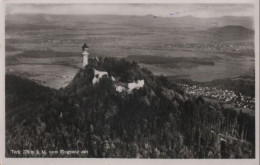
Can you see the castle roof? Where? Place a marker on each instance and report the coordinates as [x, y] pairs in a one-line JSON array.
[[85, 46]]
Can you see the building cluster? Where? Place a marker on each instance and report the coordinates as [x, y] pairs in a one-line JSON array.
[[129, 87], [57, 41], [225, 48], [119, 86], [228, 96], [212, 46]]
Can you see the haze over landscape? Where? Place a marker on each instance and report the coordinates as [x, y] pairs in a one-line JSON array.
[[170, 31]]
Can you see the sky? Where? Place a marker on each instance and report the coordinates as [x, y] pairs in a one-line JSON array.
[[164, 10]]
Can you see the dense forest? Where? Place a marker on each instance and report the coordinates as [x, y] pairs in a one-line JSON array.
[[156, 121]]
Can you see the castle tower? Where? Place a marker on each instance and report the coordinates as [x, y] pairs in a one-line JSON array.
[[85, 54]]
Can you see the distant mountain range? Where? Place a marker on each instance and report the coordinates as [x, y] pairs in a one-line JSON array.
[[232, 31], [148, 21]]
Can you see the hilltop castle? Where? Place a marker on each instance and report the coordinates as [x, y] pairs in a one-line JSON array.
[[98, 74]]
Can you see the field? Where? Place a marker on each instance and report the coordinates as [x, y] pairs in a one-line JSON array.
[[47, 48]]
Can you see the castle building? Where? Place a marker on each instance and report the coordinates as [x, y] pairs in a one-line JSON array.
[[85, 54]]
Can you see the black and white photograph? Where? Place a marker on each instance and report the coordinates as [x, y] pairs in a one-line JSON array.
[[130, 80]]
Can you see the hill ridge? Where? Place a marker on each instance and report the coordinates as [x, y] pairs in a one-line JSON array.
[[155, 121]]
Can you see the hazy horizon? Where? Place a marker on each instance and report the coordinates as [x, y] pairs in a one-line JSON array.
[[160, 10]]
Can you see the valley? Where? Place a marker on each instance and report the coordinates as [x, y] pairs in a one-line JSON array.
[[200, 53]]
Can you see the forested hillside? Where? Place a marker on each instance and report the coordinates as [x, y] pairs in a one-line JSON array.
[[156, 121]]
